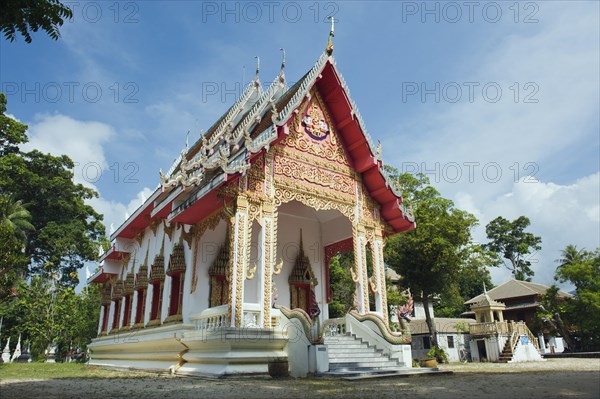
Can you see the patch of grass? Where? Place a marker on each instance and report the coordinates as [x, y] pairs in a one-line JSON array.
[[49, 371]]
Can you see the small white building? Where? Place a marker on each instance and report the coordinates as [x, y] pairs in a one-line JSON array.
[[497, 340], [452, 335]]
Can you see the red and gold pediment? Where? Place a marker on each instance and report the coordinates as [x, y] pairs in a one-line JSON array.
[[313, 133]]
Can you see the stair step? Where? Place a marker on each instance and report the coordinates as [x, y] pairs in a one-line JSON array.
[[349, 355], [354, 354], [366, 363]]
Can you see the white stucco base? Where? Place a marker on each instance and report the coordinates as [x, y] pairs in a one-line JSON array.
[[154, 349], [228, 351]]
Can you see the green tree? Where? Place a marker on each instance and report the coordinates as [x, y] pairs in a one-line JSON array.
[[430, 257], [510, 241], [45, 312], [12, 132], [342, 285], [67, 230], [25, 16], [15, 217], [14, 226], [555, 313], [582, 269], [472, 276]]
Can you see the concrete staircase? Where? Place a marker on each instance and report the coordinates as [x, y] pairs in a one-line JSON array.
[[349, 353], [507, 352]]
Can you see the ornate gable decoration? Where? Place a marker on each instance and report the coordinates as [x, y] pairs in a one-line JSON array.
[[314, 122], [129, 284], [219, 266], [312, 132], [157, 271], [176, 260]]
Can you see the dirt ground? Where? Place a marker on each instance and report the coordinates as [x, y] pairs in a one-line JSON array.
[[555, 378]]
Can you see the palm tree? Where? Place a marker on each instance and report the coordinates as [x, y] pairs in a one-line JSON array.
[[15, 217], [570, 256]]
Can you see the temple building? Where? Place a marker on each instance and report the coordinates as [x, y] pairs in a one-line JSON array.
[[224, 268]]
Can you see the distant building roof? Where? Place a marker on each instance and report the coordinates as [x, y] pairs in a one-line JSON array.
[[391, 274], [443, 325], [487, 302], [514, 289]]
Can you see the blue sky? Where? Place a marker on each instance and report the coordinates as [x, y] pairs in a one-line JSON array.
[[498, 102]]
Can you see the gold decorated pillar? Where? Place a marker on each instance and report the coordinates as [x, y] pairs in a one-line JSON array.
[[359, 275], [268, 259], [240, 236], [379, 269]]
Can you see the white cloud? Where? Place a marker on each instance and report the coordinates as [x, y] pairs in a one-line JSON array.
[[560, 59], [82, 141], [559, 55], [560, 214], [115, 212]]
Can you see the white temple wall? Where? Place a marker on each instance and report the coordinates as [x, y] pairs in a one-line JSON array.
[[168, 249], [252, 290], [208, 250], [288, 240], [187, 280], [111, 315], [336, 230]]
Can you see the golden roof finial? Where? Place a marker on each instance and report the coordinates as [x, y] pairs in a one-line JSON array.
[[281, 74], [257, 66], [329, 48]]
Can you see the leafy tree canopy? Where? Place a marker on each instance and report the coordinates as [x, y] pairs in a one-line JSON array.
[[430, 257], [66, 230], [582, 269], [45, 313], [25, 16], [510, 241]]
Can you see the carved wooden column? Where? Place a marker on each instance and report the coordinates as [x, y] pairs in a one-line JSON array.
[[379, 271], [240, 241], [268, 259], [268, 241], [359, 275]]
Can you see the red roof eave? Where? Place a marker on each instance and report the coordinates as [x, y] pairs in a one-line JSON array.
[[365, 162], [100, 277]]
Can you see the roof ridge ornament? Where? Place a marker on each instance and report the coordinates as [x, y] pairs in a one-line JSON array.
[[256, 81], [281, 73], [329, 49]]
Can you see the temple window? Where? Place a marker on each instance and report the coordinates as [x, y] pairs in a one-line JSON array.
[[157, 280], [106, 295], [127, 297], [140, 287], [117, 295], [302, 282], [219, 287], [176, 271]]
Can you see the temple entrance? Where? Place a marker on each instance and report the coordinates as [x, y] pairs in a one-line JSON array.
[[302, 238], [342, 287]]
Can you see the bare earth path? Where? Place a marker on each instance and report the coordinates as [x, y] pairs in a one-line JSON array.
[[556, 378]]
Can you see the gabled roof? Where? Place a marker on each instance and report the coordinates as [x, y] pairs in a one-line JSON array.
[[249, 127], [487, 302], [514, 289]]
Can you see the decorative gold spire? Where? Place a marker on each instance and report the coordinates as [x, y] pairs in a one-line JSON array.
[[256, 81], [329, 49], [281, 73]]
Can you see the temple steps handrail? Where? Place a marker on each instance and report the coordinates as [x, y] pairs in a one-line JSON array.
[[388, 335], [334, 327], [304, 319], [211, 318]]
